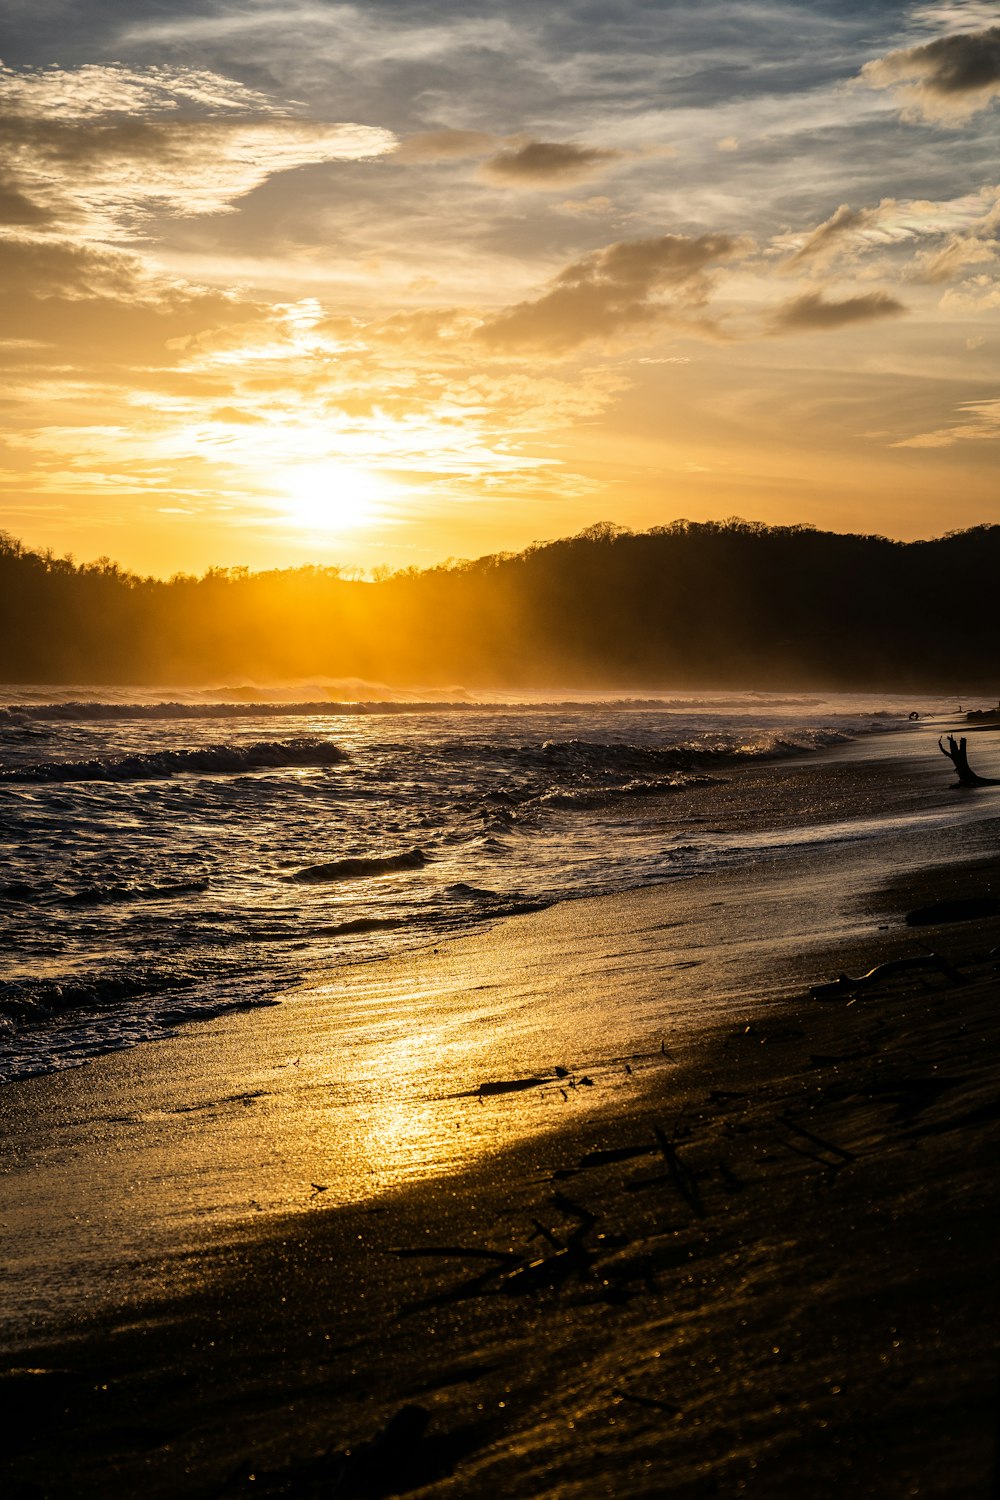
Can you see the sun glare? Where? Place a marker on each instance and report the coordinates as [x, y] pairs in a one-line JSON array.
[[331, 497]]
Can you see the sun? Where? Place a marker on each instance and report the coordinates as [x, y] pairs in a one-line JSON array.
[[329, 496]]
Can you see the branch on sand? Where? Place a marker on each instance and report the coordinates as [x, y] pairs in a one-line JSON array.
[[957, 754]]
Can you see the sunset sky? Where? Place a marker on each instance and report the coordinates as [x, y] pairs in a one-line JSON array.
[[387, 283]]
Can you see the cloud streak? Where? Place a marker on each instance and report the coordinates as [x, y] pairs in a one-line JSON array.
[[982, 423]]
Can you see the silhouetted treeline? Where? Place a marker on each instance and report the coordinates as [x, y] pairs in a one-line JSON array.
[[729, 603]]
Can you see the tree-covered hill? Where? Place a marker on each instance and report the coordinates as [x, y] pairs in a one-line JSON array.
[[728, 603]]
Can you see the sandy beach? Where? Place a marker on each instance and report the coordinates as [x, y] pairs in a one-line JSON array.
[[737, 1240]]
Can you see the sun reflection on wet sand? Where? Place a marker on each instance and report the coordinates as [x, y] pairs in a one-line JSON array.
[[369, 1079]]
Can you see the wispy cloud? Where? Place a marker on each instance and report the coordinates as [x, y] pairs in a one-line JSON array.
[[980, 423], [893, 224], [97, 89], [828, 239], [103, 148], [953, 260]]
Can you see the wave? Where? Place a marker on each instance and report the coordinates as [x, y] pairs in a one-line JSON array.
[[359, 868], [691, 754], [38, 999], [96, 895], [585, 799], [160, 765], [237, 704], [23, 890], [621, 758]]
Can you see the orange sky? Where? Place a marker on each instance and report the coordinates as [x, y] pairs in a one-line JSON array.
[[381, 285]]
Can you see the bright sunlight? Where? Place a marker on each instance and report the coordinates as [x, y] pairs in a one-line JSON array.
[[332, 496]]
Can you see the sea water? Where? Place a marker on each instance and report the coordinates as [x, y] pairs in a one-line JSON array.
[[169, 858]]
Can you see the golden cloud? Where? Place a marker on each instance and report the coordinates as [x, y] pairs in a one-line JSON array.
[[95, 90], [101, 149], [962, 223], [827, 239], [614, 290]]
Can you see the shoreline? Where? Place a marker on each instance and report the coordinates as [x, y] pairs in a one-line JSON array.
[[762, 1261], [148, 1153], [207, 950]]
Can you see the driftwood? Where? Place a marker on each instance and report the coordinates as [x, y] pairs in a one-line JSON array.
[[845, 985], [681, 1175], [958, 755], [817, 1140]]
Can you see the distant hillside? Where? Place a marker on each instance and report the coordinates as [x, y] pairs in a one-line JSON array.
[[711, 603]]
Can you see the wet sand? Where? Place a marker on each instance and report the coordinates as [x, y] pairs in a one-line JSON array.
[[755, 1254]]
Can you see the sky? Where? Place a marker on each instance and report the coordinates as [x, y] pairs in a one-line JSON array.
[[385, 284]]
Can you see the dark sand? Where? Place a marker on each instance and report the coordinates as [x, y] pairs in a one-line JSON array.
[[767, 1266]]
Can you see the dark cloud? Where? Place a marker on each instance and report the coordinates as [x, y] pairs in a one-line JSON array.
[[547, 163], [951, 76], [613, 290], [57, 268], [812, 312]]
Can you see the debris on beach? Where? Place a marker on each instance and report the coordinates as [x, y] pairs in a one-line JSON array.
[[842, 1155], [681, 1175], [845, 985], [510, 1085]]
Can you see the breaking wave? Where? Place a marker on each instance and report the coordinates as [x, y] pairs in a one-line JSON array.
[[34, 1000], [689, 755], [587, 799], [160, 765]]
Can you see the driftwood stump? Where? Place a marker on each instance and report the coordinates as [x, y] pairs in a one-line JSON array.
[[958, 755]]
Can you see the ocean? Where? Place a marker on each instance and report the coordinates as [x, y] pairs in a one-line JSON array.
[[172, 857]]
